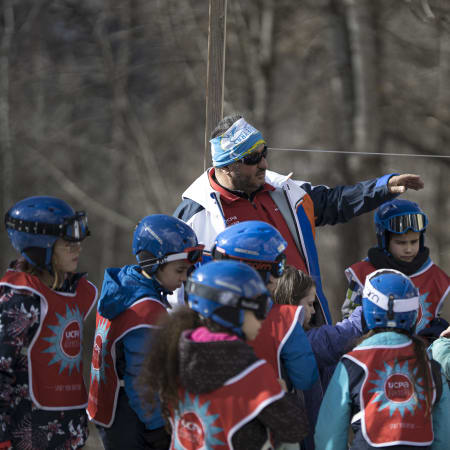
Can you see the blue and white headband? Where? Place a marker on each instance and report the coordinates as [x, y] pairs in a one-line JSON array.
[[238, 141]]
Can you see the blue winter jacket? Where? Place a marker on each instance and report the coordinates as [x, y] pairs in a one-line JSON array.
[[339, 406], [297, 360], [121, 288], [329, 343]]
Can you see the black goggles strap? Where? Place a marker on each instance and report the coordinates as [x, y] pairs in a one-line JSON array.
[[50, 229], [275, 268], [226, 298]]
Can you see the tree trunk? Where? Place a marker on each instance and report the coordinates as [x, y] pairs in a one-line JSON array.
[[6, 153]]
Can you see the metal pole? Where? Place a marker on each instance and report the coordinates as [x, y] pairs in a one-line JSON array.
[[215, 69]]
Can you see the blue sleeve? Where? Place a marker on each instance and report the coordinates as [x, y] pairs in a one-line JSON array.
[[342, 203], [186, 209], [441, 426], [334, 415], [330, 342], [298, 359], [136, 344]]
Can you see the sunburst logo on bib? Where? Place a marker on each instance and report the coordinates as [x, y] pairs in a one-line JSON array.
[[425, 315], [66, 342], [99, 353], [395, 389], [194, 427]]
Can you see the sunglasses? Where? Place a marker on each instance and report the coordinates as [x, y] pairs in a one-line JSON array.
[[254, 158], [73, 229], [193, 255], [401, 224]]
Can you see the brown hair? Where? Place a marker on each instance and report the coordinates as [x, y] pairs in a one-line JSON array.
[[423, 362], [52, 280], [292, 286], [160, 372], [22, 265]]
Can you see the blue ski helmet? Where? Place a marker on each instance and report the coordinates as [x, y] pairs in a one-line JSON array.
[[223, 290], [390, 300], [167, 239], [399, 216], [36, 223], [253, 242]]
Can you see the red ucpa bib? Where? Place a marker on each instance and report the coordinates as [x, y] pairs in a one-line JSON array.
[[55, 367], [393, 409], [275, 331], [209, 421], [105, 383], [433, 284]]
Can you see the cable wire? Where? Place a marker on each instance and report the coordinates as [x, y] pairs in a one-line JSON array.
[[411, 155]]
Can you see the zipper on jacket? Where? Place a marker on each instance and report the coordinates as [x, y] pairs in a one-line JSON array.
[[214, 197], [302, 253]]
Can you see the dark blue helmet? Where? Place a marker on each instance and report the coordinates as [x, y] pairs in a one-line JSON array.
[[399, 216], [35, 223], [167, 239], [223, 290], [256, 243], [390, 300]]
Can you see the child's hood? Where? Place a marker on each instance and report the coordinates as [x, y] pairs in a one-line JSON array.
[[124, 286]]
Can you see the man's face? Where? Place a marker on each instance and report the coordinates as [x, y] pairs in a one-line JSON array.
[[248, 178]]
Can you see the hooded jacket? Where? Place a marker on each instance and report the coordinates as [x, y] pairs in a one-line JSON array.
[[343, 395], [207, 366], [121, 289]]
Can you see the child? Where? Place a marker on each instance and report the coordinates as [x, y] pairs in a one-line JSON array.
[[43, 304], [218, 393], [328, 342], [133, 299], [297, 288], [400, 227], [282, 341], [386, 388]]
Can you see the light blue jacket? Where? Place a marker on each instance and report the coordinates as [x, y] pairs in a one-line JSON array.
[[441, 353], [336, 410]]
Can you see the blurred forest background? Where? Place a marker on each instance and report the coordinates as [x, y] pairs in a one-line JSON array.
[[102, 103]]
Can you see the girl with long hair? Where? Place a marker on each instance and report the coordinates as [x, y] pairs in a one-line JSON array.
[[387, 388], [215, 391]]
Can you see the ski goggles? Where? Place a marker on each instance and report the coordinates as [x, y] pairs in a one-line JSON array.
[[401, 224], [260, 305], [255, 157], [193, 255], [72, 229], [275, 268]]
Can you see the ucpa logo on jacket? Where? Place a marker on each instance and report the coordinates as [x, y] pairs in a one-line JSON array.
[[55, 362], [105, 382], [393, 406], [209, 420]]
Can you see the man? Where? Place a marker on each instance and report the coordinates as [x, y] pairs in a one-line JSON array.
[[239, 187]]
